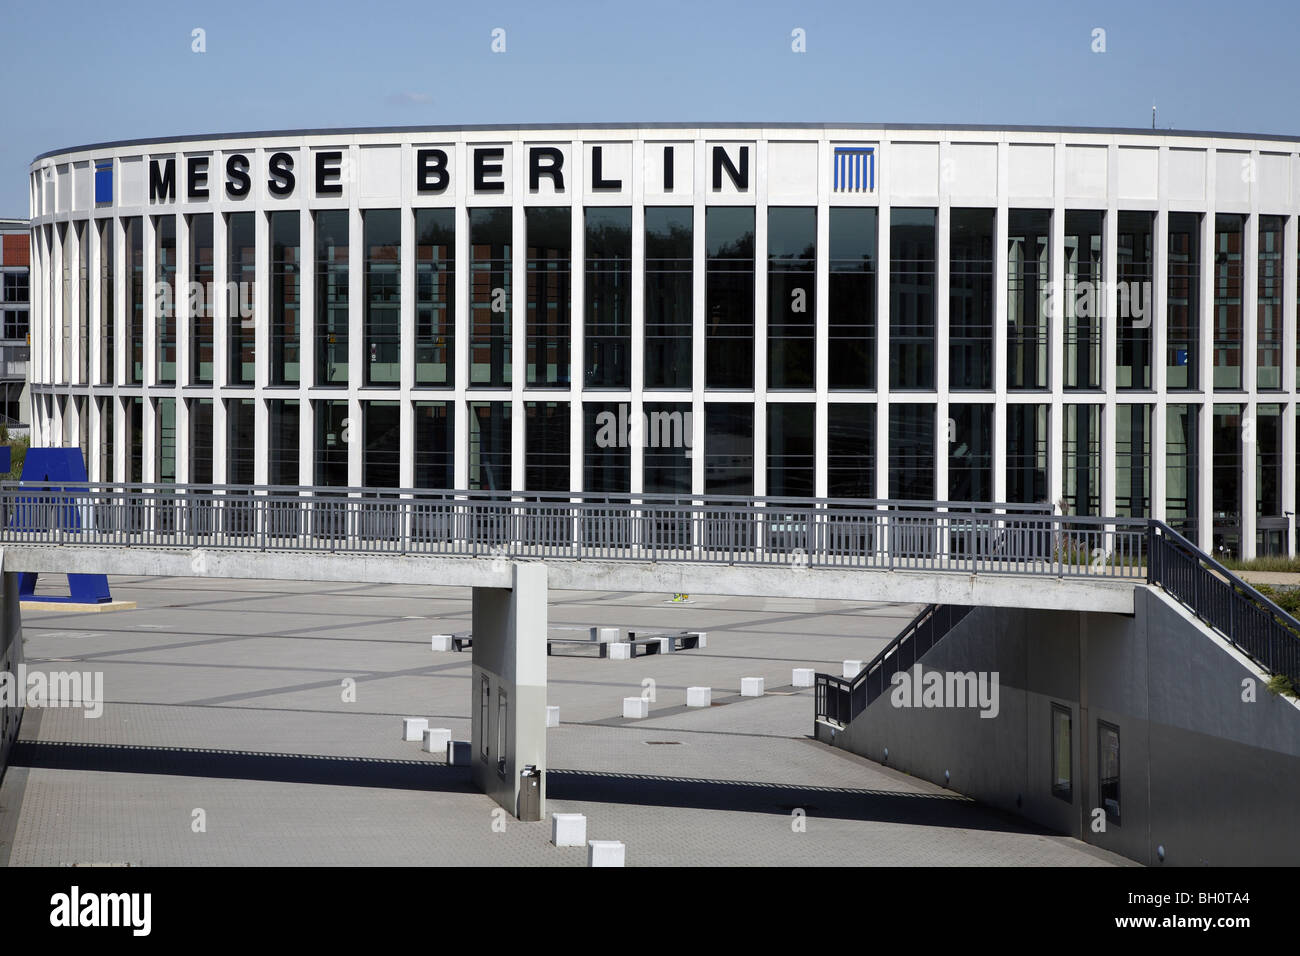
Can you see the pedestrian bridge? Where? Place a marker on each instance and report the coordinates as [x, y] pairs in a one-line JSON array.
[[897, 551]]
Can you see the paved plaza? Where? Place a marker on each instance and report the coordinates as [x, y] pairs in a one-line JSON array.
[[230, 698]]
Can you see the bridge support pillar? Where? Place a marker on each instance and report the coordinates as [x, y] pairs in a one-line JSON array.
[[11, 656], [508, 690]]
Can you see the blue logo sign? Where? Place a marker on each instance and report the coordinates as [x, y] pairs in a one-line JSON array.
[[855, 169], [103, 180]]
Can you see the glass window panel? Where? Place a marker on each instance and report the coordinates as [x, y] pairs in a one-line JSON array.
[[550, 244], [851, 450], [331, 331], [666, 463], [200, 320], [1027, 451], [1183, 308], [729, 297], [607, 339], [435, 296], [381, 463], [491, 237], [911, 298], [911, 452], [1133, 320], [669, 294], [728, 448], [791, 257], [382, 231], [970, 299], [607, 455], [286, 298], [1268, 363], [1028, 317], [970, 452], [1085, 299], [546, 446], [241, 242], [791, 449], [851, 332], [434, 445], [1227, 329], [489, 446]]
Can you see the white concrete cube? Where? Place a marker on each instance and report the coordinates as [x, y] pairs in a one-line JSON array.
[[553, 717], [852, 669], [605, 634], [803, 677], [441, 642], [699, 696], [751, 687], [458, 753], [436, 740], [605, 853], [664, 645], [703, 636], [413, 728], [620, 650], [568, 829], [636, 707]]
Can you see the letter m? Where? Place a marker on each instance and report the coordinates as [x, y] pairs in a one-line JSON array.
[[162, 180]]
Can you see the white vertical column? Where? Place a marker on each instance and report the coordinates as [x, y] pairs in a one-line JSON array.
[[883, 246], [519, 316], [759, 190], [637, 352], [1056, 335], [821, 325], [1001, 321], [358, 354], [1288, 320], [944, 439], [1205, 381], [577, 315], [407, 330], [699, 314], [1110, 319], [306, 342], [459, 409]]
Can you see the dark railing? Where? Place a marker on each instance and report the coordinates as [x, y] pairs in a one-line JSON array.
[[1250, 621], [841, 699], [795, 533]]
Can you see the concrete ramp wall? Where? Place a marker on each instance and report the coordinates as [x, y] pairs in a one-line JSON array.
[[11, 655], [1209, 759]]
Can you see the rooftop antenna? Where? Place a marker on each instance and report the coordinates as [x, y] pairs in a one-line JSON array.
[[1153, 116]]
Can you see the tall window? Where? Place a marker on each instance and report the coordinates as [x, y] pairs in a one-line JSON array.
[[490, 237], [911, 299], [1182, 469], [1084, 299], [1027, 461], [791, 449], [607, 340], [970, 300], [1268, 365], [606, 457], [286, 298], [1028, 318], [241, 241], [1271, 524], [489, 446], [850, 450], [1183, 309], [165, 440], [791, 256], [970, 452], [546, 446], [1133, 461], [1108, 769], [1062, 751], [728, 448], [729, 297], [911, 452], [200, 419], [135, 299], [1082, 466], [666, 461], [1134, 320], [201, 273], [107, 324], [107, 440], [381, 462], [240, 441], [83, 308], [434, 445], [134, 422], [283, 422], [383, 265], [165, 299], [1225, 480], [550, 300], [851, 333], [331, 328], [669, 294], [1227, 331], [435, 296], [331, 448]]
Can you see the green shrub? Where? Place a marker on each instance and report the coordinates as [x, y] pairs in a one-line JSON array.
[[1281, 684]]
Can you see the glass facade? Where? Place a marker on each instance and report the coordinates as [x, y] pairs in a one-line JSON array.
[[382, 229], [1225, 479], [912, 269], [1182, 469], [1268, 299], [333, 431], [165, 294], [1227, 327], [728, 448], [331, 306], [550, 298], [1134, 322], [1271, 523], [1081, 469], [201, 304], [241, 313], [489, 446], [201, 440], [606, 447], [240, 440], [970, 452], [791, 258], [434, 445], [911, 452], [1133, 461], [851, 323], [1028, 312], [435, 296], [1085, 298], [850, 450], [666, 461], [669, 296], [382, 458], [1027, 456], [791, 449], [546, 446], [134, 230], [490, 237], [970, 299], [107, 326], [607, 300], [729, 297], [282, 456], [1183, 309], [286, 298]]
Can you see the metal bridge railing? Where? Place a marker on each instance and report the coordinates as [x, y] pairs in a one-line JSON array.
[[797, 533]]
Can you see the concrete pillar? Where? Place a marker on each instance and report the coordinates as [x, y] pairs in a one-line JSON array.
[[508, 688]]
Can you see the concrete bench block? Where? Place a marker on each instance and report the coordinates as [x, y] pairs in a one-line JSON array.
[[441, 642], [636, 707], [620, 650], [665, 646], [803, 677], [605, 635], [605, 853], [852, 669], [553, 720], [413, 728], [458, 753], [699, 696], [436, 740], [568, 829], [751, 687], [703, 636]]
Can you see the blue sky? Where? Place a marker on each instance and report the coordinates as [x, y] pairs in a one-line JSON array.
[[89, 72]]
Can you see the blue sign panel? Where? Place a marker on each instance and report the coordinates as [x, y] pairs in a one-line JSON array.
[[855, 169], [103, 180]]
